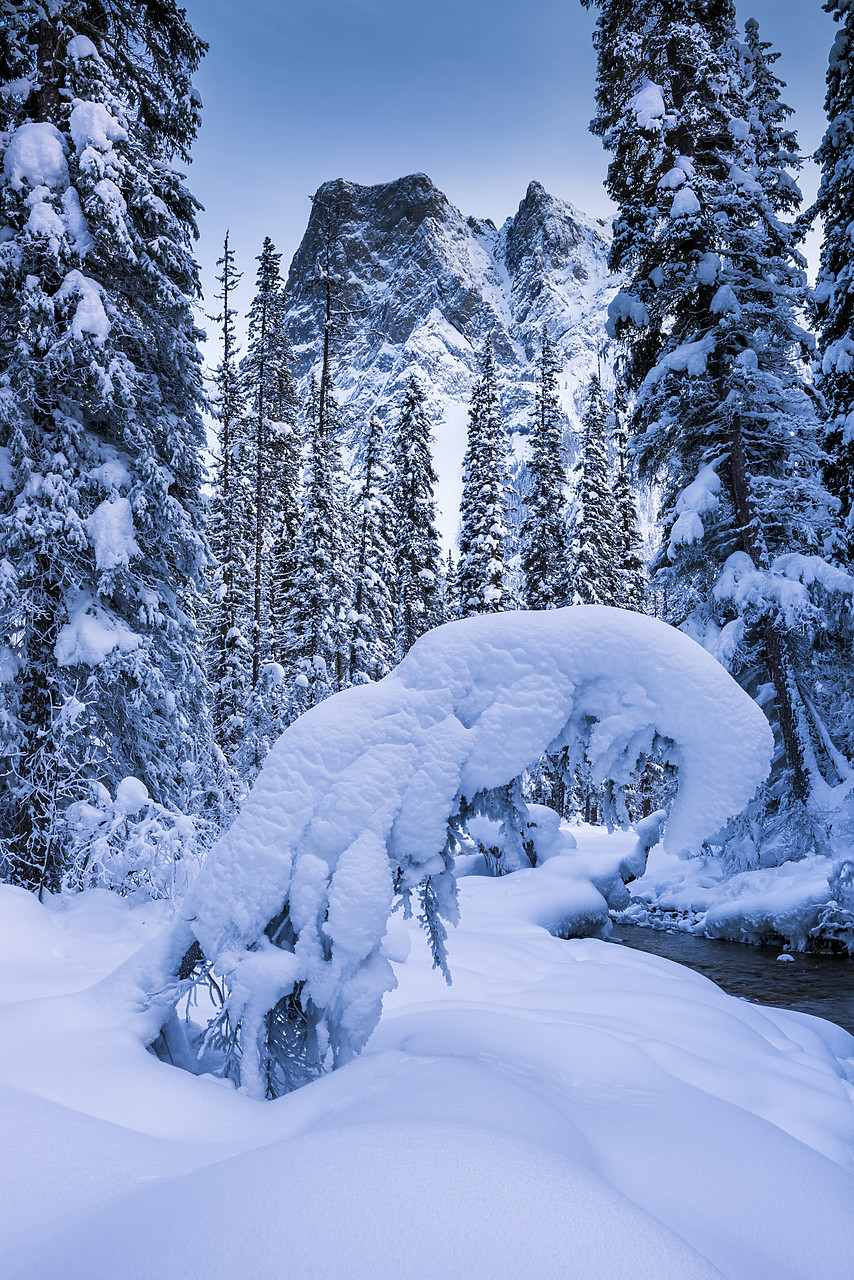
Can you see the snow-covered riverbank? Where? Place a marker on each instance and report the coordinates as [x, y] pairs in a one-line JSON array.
[[566, 1109]]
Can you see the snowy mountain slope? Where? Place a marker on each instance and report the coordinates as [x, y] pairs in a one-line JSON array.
[[425, 285]]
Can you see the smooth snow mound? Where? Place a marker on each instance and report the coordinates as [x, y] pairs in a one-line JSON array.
[[566, 1111]]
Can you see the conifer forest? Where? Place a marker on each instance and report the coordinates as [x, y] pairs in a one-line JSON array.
[[426, 653]]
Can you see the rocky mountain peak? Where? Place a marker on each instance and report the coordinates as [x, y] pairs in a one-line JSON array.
[[419, 286]]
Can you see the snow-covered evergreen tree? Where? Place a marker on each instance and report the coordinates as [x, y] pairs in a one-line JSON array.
[[417, 557], [100, 433], [317, 636], [725, 420], [834, 293], [284, 449], [631, 569], [270, 475], [450, 590], [594, 575], [372, 645], [273, 441], [229, 531], [265, 717], [545, 529], [484, 534]]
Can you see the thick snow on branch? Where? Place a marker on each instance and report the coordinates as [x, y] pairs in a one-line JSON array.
[[691, 358], [648, 105], [784, 588], [697, 499]]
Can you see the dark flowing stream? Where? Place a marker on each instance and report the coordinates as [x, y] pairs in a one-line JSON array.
[[818, 984]]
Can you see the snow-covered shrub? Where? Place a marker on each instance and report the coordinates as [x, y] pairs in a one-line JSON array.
[[130, 842]]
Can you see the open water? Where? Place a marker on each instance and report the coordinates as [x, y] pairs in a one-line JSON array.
[[818, 984]]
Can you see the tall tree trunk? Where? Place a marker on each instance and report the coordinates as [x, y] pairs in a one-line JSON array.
[[775, 641], [46, 100], [260, 514]]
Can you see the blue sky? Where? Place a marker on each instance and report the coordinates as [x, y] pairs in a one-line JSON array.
[[482, 95]]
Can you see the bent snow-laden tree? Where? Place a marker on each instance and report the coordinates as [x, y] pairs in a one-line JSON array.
[[726, 420], [361, 799], [100, 433]]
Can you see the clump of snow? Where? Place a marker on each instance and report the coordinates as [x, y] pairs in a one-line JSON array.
[[696, 500], [739, 129], [745, 180], [93, 125], [112, 474], [111, 198], [674, 177], [80, 47], [784, 587], [623, 307], [76, 226], [691, 358], [708, 268], [90, 634], [36, 155], [20, 88], [132, 795], [725, 302], [111, 532], [7, 471], [685, 204], [648, 105], [89, 315]]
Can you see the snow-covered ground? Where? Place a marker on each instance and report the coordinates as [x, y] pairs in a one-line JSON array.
[[566, 1109]]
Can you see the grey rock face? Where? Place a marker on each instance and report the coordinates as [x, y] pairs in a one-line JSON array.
[[417, 288]]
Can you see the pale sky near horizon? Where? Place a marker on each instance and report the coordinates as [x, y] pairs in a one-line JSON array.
[[482, 95]]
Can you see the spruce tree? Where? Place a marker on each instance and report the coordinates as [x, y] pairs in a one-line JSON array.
[[545, 530], [317, 636], [724, 421], [484, 534], [273, 448], [594, 575], [631, 569], [229, 531], [834, 293], [417, 557], [450, 590], [100, 430], [372, 644]]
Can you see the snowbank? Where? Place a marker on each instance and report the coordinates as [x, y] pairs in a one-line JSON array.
[[568, 1110], [804, 903]]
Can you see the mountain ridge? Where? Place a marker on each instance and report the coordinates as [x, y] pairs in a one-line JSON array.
[[418, 285]]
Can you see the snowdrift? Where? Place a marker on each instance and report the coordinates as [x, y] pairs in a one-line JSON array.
[[357, 802], [566, 1111]]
